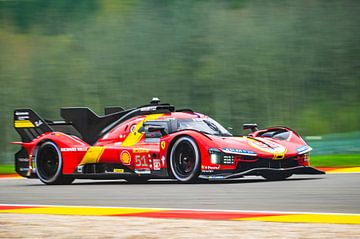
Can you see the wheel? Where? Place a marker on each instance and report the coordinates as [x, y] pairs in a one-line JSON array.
[[49, 163], [185, 159], [276, 176]]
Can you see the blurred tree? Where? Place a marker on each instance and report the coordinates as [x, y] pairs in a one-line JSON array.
[[293, 63]]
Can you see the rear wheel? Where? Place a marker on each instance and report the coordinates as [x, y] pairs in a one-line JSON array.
[[185, 159], [278, 176], [49, 163]]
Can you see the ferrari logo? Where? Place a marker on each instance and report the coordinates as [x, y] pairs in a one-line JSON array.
[[163, 144]]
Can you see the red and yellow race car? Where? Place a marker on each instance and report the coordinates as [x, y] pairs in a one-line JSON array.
[[151, 141]]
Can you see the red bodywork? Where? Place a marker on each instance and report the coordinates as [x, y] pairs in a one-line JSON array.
[[130, 152]]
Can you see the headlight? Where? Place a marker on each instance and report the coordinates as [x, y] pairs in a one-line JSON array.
[[218, 157], [304, 149], [215, 156]]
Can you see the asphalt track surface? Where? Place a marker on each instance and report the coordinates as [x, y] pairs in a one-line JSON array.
[[333, 193]]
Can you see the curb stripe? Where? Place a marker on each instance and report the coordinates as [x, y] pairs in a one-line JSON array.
[[189, 214], [290, 217], [311, 218], [4, 207], [83, 211], [344, 170], [10, 176]]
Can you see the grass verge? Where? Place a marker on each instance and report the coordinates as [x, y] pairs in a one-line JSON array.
[[7, 169], [335, 160]]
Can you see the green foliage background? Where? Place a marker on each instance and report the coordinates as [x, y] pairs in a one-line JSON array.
[[276, 62]]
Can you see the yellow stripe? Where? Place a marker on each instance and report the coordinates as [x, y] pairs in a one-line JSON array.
[[279, 152], [91, 211], [23, 124], [312, 218], [134, 137], [88, 211], [92, 155]]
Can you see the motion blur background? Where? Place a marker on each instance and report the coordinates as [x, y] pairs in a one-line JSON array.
[[293, 63]]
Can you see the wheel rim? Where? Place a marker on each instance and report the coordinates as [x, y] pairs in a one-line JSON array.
[[48, 162], [184, 159]]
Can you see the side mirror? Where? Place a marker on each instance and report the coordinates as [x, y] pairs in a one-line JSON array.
[[157, 128], [252, 127]]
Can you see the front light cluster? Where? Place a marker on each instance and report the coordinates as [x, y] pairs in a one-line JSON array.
[[218, 157], [215, 156]]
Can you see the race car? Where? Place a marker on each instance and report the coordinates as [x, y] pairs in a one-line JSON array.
[[151, 141]]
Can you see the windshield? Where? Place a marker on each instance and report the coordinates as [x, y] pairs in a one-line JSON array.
[[204, 125]]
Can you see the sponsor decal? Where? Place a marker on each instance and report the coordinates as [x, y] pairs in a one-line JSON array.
[[23, 117], [228, 159], [23, 124], [239, 151], [157, 164], [149, 108], [140, 151], [23, 159], [207, 171], [125, 157], [211, 167], [163, 145], [163, 160], [38, 123], [81, 149], [21, 113], [118, 170]]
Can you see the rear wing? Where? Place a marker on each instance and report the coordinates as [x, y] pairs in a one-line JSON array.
[[29, 124]]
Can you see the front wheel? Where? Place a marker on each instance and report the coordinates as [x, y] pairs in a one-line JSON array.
[[48, 164], [185, 159]]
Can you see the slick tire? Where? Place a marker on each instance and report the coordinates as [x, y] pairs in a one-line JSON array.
[[185, 160], [49, 163]]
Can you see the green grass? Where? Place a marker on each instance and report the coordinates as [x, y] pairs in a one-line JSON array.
[[7, 169], [335, 160]]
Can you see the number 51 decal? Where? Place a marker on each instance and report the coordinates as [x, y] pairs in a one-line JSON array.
[[140, 161]]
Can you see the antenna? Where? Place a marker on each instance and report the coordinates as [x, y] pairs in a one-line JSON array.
[[155, 101]]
